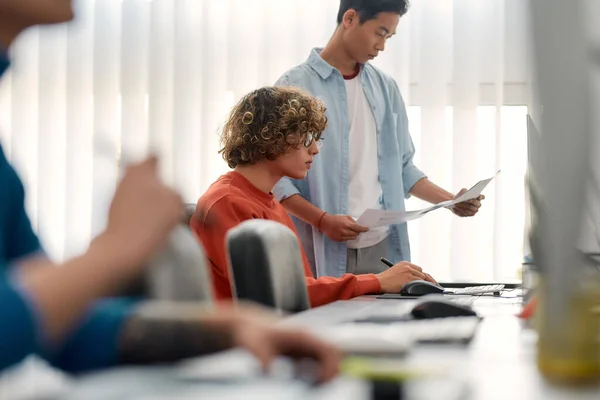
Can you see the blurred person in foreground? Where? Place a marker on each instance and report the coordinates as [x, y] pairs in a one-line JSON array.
[[54, 310]]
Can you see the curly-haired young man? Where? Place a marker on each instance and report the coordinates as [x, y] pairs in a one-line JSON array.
[[271, 133]]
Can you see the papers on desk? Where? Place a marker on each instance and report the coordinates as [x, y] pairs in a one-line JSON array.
[[372, 218]]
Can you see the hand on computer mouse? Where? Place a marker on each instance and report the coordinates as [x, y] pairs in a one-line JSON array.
[[393, 279]]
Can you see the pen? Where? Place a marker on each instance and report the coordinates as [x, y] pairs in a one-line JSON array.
[[386, 262]]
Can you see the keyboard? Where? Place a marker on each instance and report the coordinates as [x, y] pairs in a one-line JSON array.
[[366, 339], [476, 290], [461, 300], [441, 330], [438, 330]]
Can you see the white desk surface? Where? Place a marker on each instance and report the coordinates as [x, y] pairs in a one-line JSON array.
[[498, 364]]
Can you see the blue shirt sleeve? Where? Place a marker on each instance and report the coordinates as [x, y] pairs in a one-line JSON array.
[[23, 241], [410, 173], [18, 331], [286, 187], [19, 239], [94, 344]]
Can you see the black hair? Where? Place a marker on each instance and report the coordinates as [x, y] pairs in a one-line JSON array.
[[368, 9]]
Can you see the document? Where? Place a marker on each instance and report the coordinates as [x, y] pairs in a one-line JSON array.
[[373, 218], [475, 191], [367, 239]]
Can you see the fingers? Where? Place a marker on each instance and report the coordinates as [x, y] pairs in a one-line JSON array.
[[467, 208], [417, 272], [262, 350], [358, 228], [458, 212], [297, 344], [429, 278], [467, 211], [412, 266], [474, 203], [348, 234], [417, 276], [415, 267], [151, 161], [351, 224]]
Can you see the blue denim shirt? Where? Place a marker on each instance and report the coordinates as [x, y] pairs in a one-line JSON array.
[[326, 185]]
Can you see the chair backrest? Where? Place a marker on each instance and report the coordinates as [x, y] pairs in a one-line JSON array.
[[265, 263], [179, 272], [189, 211]]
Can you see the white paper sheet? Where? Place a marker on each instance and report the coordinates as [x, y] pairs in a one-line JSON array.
[[373, 218], [367, 239]]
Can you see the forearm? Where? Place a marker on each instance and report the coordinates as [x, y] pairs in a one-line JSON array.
[[426, 190], [300, 208], [63, 293], [159, 332]]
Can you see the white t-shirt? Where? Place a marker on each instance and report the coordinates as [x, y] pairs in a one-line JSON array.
[[364, 189]]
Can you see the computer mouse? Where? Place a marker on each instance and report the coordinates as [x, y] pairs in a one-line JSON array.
[[440, 308], [420, 288]]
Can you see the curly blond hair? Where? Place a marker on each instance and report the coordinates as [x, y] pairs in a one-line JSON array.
[[269, 122]]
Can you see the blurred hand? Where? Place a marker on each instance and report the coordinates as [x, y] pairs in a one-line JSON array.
[[341, 228], [143, 212], [467, 208], [393, 279], [252, 328], [267, 342]]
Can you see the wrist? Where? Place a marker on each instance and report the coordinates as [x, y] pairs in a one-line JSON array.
[[113, 251], [381, 279], [443, 195], [319, 224]]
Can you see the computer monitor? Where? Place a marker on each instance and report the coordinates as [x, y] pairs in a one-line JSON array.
[[559, 176], [532, 190]]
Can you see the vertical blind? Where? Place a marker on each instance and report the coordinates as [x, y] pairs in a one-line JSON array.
[[132, 76]]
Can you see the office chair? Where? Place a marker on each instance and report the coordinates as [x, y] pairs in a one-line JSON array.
[[265, 264], [190, 209], [179, 272]]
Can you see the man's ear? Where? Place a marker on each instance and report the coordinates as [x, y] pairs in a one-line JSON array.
[[350, 18]]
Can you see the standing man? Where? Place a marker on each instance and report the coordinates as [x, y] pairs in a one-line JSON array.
[[367, 159]]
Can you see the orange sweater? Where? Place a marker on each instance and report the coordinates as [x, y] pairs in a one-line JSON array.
[[233, 199]]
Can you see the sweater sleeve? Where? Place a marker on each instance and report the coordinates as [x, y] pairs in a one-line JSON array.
[[211, 229], [328, 289], [18, 330], [95, 342]]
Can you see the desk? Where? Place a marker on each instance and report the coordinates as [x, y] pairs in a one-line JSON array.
[[498, 364]]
